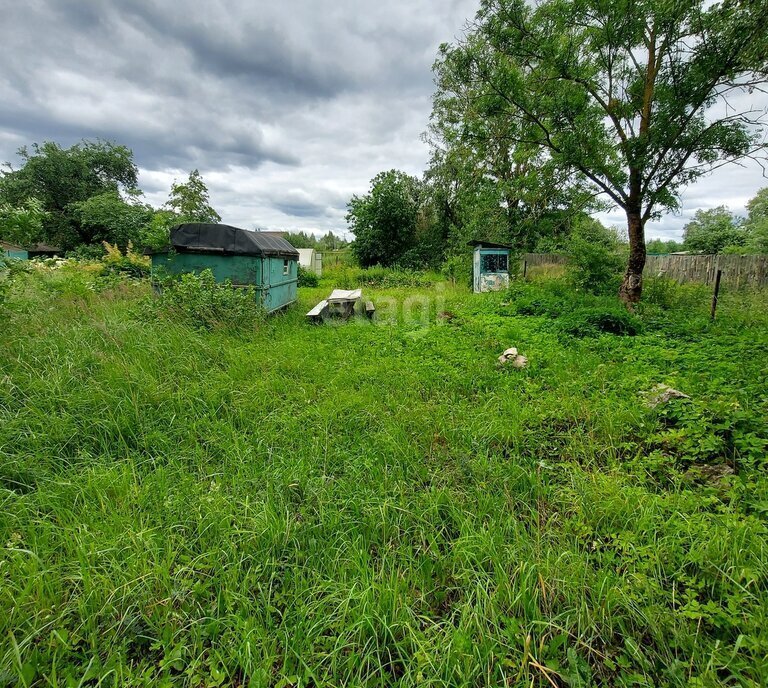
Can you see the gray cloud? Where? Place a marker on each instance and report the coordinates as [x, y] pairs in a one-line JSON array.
[[286, 108]]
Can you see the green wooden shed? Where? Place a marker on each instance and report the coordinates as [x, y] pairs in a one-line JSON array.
[[13, 251], [246, 257]]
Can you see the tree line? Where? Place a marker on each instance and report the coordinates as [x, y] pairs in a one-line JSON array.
[[78, 197], [545, 112], [327, 242]]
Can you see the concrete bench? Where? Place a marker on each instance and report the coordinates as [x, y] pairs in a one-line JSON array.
[[318, 312]]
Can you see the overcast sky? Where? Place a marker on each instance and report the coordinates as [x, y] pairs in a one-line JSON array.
[[286, 108]]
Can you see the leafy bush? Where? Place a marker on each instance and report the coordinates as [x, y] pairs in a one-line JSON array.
[[595, 261], [201, 302], [548, 298], [458, 269], [539, 303], [307, 278], [594, 321], [711, 432], [86, 252], [660, 291], [131, 263]]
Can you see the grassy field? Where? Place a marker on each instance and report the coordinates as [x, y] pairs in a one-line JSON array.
[[382, 504]]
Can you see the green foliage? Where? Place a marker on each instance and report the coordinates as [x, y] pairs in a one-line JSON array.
[[109, 218], [301, 240], [389, 278], [594, 258], [10, 269], [758, 236], [483, 183], [156, 235], [384, 220], [591, 322], [561, 82], [756, 224], [574, 314], [199, 301], [329, 242], [22, 224], [458, 268], [536, 301], [712, 231], [307, 278], [693, 433], [189, 201], [376, 505], [660, 247], [87, 252], [757, 206], [129, 263], [60, 178]]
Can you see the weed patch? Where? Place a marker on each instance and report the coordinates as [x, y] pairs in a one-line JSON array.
[[199, 301], [193, 494], [591, 322]]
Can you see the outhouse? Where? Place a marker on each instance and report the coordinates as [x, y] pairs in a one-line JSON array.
[[490, 266], [246, 257]]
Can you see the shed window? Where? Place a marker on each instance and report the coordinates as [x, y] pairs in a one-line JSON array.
[[286, 267], [495, 262]]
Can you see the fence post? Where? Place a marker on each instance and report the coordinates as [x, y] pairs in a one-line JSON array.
[[714, 295], [525, 268]]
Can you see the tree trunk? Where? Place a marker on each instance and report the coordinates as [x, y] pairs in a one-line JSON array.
[[632, 285]]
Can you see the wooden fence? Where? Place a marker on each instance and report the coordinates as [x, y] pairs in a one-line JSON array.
[[738, 271], [535, 260]]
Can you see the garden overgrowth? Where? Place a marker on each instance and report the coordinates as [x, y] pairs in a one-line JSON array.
[[184, 501]]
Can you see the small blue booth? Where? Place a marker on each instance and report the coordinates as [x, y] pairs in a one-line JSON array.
[[490, 266], [245, 257]]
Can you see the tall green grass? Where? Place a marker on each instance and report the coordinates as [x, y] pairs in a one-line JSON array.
[[380, 504]]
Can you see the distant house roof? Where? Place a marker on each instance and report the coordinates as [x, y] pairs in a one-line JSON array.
[[7, 246], [43, 248], [487, 244], [211, 238]]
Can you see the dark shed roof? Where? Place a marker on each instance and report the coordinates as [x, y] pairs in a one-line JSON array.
[[8, 246], [233, 241], [487, 244], [43, 248]]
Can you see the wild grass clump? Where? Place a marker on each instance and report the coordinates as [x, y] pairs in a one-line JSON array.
[[668, 295], [10, 270], [574, 314], [392, 278], [197, 300], [350, 277]]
